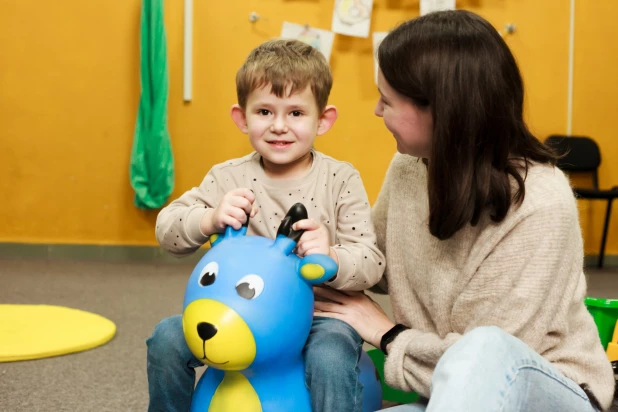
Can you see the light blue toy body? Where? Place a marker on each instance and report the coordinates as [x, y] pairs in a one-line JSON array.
[[247, 313]]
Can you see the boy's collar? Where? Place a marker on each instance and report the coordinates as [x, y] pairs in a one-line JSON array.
[[283, 182]]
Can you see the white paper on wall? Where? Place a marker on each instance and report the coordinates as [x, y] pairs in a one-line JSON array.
[[428, 6], [378, 36], [318, 38], [352, 17]]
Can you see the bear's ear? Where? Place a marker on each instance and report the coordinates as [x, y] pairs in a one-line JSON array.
[[296, 213], [316, 269], [287, 237], [229, 232], [215, 238]]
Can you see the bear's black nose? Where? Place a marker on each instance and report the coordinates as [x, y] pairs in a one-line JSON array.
[[206, 330]]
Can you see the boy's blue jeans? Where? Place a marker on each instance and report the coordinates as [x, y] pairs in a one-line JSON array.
[[490, 370], [331, 355]]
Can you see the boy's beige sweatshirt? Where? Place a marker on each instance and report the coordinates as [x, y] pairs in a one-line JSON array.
[[332, 192]]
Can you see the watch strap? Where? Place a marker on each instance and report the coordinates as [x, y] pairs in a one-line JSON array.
[[389, 336]]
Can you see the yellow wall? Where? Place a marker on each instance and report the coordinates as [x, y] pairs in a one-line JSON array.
[[595, 108], [69, 90]]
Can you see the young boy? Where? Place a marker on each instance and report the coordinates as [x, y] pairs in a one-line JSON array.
[[282, 89]]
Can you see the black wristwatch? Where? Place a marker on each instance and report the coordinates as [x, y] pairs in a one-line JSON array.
[[389, 336]]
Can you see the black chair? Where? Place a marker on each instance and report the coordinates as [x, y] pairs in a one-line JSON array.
[[581, 154]]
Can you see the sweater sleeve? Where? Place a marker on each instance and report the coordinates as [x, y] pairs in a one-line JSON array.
[[524, 285], [361, 263], [178, 224]]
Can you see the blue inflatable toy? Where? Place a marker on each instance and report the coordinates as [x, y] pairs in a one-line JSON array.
[[248, 310]]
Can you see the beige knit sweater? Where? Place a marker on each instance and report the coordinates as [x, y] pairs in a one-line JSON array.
[[523, 275]]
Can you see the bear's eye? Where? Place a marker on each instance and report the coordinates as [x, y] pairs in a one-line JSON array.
[[250, 286], [209, 274]]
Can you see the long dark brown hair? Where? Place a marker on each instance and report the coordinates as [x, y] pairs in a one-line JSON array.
[[456, 64]]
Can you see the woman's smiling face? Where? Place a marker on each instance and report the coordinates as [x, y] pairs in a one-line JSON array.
[[412, 126]]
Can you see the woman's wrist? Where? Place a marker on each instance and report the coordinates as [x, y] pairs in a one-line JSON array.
[[379, 334], [389, 337]]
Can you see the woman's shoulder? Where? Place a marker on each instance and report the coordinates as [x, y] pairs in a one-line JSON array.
[[406, 167], [548, 209], [404, 160], [548, 190]]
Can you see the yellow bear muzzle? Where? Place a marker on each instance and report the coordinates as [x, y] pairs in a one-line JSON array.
[[228, 343]]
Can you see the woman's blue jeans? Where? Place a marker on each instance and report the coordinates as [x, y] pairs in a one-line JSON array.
[[331, 355], [490, 370]]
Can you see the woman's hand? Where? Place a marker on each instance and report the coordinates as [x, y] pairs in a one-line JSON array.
[[356, 309]]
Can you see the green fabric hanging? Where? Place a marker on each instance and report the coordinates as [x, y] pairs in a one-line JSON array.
[[152, 161]]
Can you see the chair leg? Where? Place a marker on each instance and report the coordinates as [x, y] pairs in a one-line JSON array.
[[605, 229]]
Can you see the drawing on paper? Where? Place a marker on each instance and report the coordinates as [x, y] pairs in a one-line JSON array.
[[352, 17], [310, 36], [318, 38], [429, 6], [378, 36], [353, 11]]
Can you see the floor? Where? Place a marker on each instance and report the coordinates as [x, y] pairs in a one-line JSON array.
[[135, 296]]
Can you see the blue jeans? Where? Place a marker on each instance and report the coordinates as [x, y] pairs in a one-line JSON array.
[[332, 353], [331, 356], [490, 370]]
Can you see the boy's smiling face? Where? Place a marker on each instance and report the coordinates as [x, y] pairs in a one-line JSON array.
[[282, 129]]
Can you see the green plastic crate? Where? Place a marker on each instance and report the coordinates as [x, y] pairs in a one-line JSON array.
[[388, 393], [605, 314]]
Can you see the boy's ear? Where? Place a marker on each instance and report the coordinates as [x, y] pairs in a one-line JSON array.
[[327, 119], [239, 117]]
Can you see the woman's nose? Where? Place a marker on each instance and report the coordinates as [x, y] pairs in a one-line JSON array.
[[379, 109]]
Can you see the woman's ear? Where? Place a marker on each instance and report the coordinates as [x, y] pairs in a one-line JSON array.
[[239, 118], [327, 119]]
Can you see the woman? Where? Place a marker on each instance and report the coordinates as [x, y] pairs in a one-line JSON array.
[[481, 235]]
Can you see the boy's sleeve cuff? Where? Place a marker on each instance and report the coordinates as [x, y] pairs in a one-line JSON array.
[[345, 262], [193, 225]]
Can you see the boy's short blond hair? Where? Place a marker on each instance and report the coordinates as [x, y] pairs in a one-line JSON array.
[[283, 63]]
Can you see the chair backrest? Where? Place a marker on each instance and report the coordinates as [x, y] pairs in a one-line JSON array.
[[579, 153]]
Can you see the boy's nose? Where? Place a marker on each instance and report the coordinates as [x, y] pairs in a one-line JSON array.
[[278, 126]]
